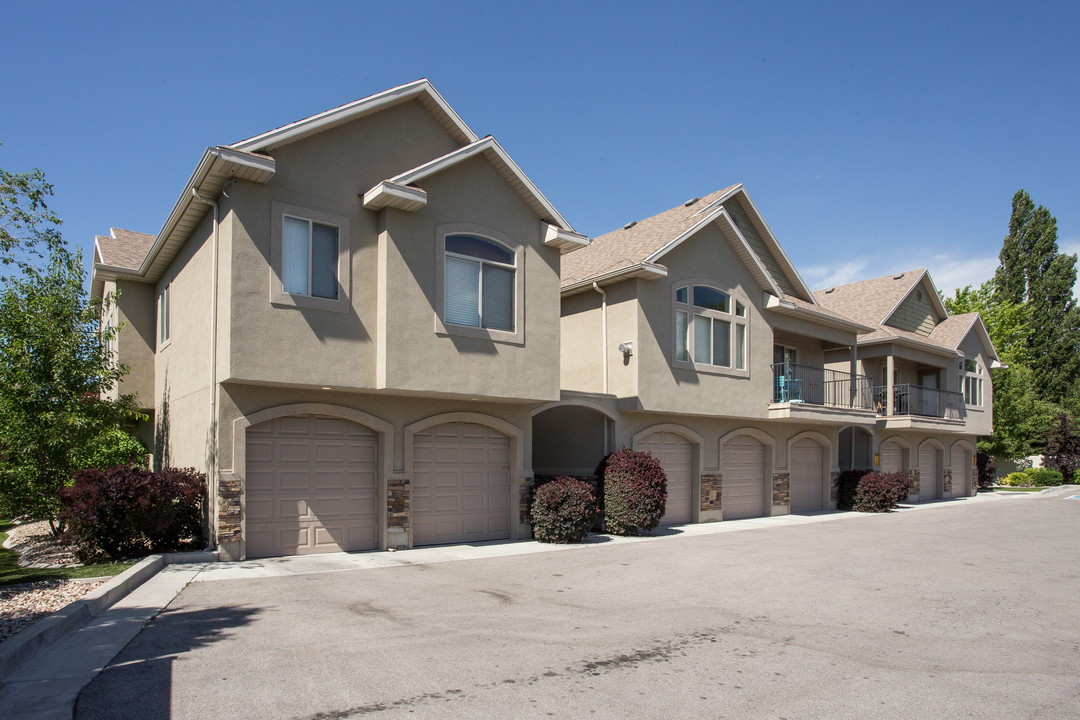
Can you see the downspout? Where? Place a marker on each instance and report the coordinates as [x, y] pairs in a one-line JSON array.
[[211, 469], [603, 352]]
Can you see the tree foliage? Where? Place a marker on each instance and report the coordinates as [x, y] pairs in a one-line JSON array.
[[1007, 322], [1062, 451], [29, 230], [1033, 272], [56, 372]]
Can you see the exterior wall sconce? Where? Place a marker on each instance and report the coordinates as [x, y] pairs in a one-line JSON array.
[[627, 349]]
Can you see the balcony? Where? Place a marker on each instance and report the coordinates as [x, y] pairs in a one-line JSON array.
[[915, 402], [819, 394]]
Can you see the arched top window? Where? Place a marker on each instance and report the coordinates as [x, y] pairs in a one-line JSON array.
[[710, 327], [479, 283]]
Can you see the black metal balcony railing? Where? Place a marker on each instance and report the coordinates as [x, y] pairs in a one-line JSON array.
[[795, 383], [911, 399]]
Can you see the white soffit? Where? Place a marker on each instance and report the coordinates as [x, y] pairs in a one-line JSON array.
[[565, 240], [391, 194]]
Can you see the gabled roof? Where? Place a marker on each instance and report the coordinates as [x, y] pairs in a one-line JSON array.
[[953, 330], [395, 191], [421, 90], [644, 243], [874, 301], [122, 248]]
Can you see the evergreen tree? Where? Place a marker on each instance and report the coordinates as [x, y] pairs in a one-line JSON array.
[[1035, 273]]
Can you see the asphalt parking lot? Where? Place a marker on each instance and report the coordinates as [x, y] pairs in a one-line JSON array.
[[960, 610]]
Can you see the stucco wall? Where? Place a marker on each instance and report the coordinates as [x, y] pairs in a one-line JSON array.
[[136, 311]]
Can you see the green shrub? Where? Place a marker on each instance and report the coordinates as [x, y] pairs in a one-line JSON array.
[[878, 492], [1044, 477], [563, 511], [635, 491], [113, 447], [1016, 479], [126, 512]]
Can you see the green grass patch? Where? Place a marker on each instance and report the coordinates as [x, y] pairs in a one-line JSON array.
[[12, 574], [1009, 488]]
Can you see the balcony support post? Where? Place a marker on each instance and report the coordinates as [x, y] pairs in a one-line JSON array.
[[890, 385]]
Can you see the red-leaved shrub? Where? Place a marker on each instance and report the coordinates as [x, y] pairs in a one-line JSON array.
[[126, 512], [635, 491], [563, 510], [874, 492]]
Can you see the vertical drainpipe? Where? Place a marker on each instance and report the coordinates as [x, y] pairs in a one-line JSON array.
[[211, 469], [603, 352]]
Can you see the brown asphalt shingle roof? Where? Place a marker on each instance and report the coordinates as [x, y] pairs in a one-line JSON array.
[[869, 301], [626, 248], [123, 248]]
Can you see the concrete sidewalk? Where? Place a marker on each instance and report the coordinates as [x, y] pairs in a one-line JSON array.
[[47, 684]]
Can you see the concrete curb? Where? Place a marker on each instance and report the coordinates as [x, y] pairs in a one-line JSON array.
[[15, 651]]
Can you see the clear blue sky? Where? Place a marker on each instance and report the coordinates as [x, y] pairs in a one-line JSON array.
[[873, 137]]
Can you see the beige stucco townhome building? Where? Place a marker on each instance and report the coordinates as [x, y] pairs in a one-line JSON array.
[[371, 330]]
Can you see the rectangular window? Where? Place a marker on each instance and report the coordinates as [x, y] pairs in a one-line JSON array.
[[740, 347], [682, 342], [163, 314], [702, 339], [309, 258], [721, 343]]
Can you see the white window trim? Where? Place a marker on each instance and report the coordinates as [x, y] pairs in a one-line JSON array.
[[280, 298], [163, 324], [517, 336], [729, 317], [976, 376]]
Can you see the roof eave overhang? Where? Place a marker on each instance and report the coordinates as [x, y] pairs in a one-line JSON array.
[[786, 307], [217, 167], [563, 240], [422, 89], [645, 270], [778, 249], [491, 149], [917, 344]]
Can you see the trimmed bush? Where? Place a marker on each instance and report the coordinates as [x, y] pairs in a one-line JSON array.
[[877, 492], [635, 491], [1044, 477], [563, 511], [127, 512], [846, 485], [1016, 479]]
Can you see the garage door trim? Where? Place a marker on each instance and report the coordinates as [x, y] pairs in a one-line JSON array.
[[383, 430]]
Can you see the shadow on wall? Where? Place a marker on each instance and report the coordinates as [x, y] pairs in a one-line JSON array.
[[161, 429], [137, 684]]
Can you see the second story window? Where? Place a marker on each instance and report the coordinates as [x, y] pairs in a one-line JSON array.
[[479, 283], [972, 381], [309, 258], [163, 315], [710, 328]]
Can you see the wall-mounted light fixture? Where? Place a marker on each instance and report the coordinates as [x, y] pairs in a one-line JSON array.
[[627, 349]]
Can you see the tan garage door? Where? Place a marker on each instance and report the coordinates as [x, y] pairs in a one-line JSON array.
[[676, 455], [929, 473], [807, 478], [743, 488], [310, 487], [891, 458], [961, 472], [461, 484]]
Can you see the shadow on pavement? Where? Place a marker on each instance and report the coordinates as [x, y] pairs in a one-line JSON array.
[[137, 684]]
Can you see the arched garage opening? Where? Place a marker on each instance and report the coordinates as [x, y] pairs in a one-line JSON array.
[[930, 470], [678, 449], [808, 466], [746, 462], [569, 439], [960, 457], [856, 449]]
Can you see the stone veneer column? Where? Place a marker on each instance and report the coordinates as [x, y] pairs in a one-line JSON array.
[[914, 495], [398, 503], [711, 492], [229, 528], [974, 485], [834, 490], [781, 493], [947, 483]]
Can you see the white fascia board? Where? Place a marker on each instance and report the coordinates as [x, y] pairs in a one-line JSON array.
[[565, 240], [246, 159], [488, 143], [357, 107], [713, 216], [772, 302], [779, 249], [387, 194], [720, 200], [647, 270]]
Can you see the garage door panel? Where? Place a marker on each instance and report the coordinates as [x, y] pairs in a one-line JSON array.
[[308, 487], [960, 472], [676, 456], [459, 493], [806, 476], [929, 472], [744, 485], [891, 458]]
